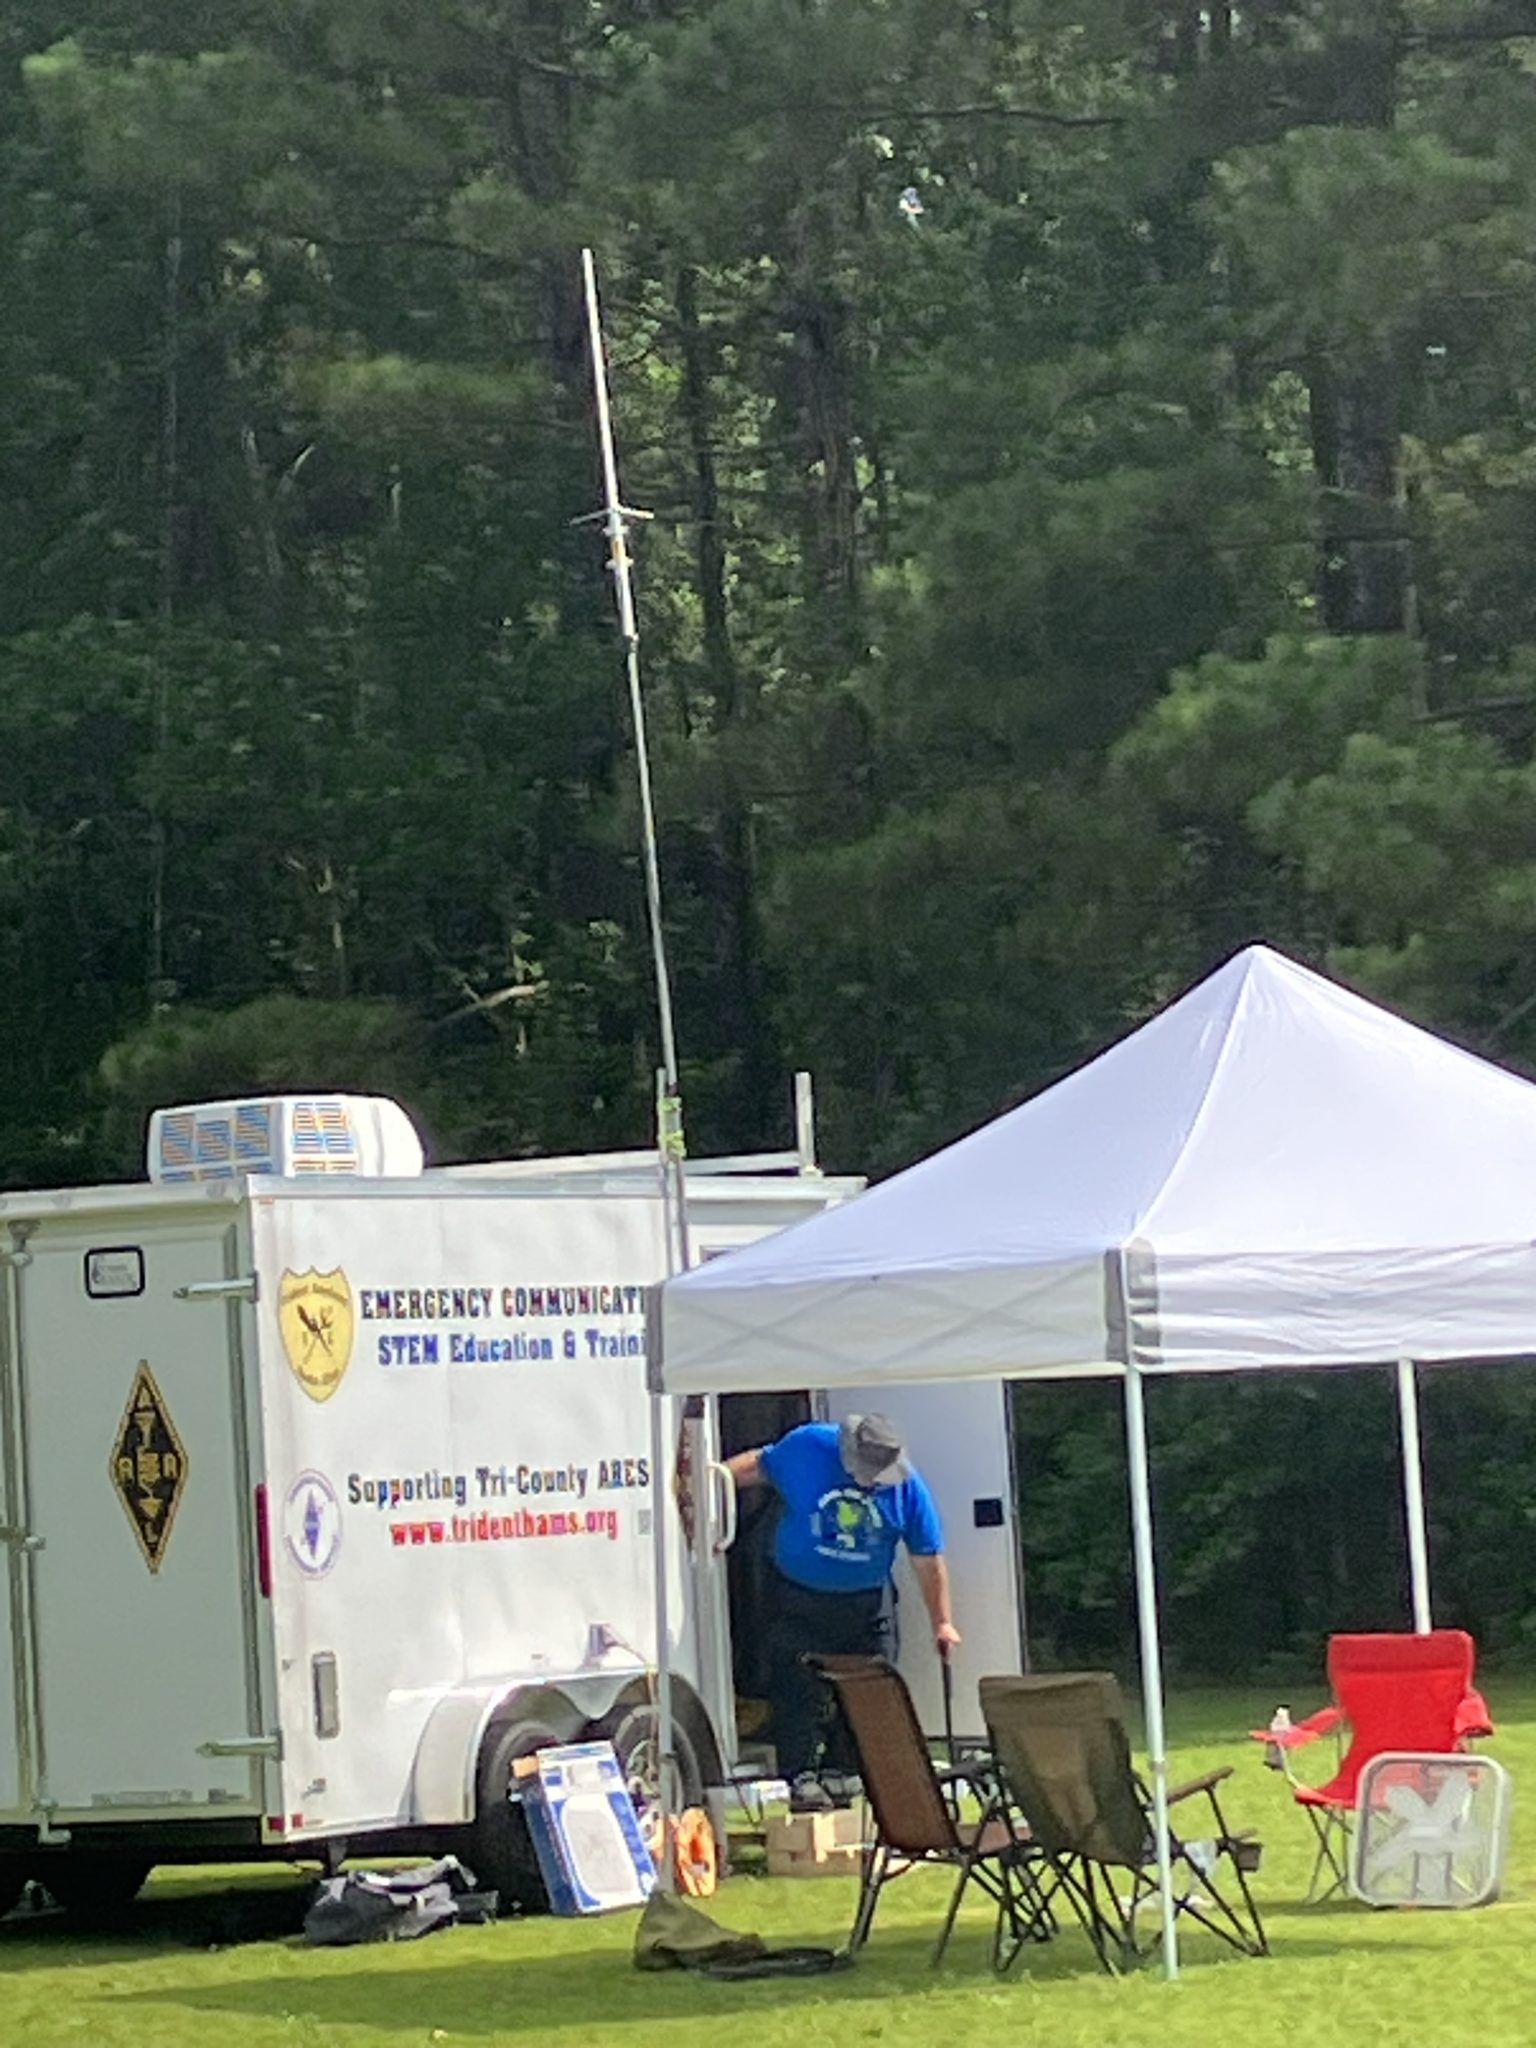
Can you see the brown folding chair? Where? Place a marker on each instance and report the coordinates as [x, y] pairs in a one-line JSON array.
[[917, 1811], [1064, 1759]]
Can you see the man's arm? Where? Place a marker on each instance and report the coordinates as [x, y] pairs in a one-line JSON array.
[[933, 1583], [746, 1468]]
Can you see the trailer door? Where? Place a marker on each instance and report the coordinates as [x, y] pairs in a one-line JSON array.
[[959, 1437], [138, 1550]]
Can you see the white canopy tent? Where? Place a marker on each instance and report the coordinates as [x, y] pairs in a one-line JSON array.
[[1271, 1173]]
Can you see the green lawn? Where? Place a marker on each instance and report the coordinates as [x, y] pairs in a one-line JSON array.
[[1338, 1973]]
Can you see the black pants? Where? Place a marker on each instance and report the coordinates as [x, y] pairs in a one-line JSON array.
[[835, 1624]]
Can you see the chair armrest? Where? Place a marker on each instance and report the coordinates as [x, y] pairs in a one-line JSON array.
[[979, 1777], [980, 1774], [1472, 1718], [1323, 1722], [1208, 1783]]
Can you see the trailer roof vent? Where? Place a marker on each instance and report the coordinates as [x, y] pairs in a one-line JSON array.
[[298, 1136]]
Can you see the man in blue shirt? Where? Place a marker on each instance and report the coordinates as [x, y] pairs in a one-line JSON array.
[[847, 1496]]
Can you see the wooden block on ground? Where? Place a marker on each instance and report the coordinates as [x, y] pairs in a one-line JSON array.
[[815, 1844], [791, 1837], [804, 1834]]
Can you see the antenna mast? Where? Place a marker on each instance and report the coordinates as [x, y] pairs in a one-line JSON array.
[[614, 519]]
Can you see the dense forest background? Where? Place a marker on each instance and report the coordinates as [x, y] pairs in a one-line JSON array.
[[1093, 452]]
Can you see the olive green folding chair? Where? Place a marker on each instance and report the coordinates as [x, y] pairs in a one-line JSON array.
[[1064, 1760]]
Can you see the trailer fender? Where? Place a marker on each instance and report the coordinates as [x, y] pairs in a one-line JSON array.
[[443, 1782], [691, 1717]]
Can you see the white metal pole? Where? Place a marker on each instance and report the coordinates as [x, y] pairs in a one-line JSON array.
[[805, 1123], [615, 517], [661, 1508], [615, 520], [1413, 1494], [1151, 1652]]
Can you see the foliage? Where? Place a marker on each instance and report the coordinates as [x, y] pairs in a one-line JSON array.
[[1093, 451]]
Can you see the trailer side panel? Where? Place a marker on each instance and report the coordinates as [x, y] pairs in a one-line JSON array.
[[459, 1468]]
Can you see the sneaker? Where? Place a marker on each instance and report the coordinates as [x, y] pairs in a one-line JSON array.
[[809, 1795], [842, 1788]]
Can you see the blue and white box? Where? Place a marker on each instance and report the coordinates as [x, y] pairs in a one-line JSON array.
[[592, 1855]]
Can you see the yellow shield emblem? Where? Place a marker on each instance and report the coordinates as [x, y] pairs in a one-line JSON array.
[[314, 1316]]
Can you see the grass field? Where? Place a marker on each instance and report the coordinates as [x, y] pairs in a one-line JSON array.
[[1338, 1973]]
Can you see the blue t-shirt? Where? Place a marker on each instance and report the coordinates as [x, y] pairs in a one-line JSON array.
[[835, 1536]]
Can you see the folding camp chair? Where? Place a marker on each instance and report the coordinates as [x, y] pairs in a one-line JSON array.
[[916, 1809], [1392, 1692], [1065, 1761]]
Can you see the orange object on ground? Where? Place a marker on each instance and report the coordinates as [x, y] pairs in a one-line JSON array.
[[695, 1857]]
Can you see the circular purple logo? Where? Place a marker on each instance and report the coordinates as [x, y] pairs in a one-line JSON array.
[[312, 1524]]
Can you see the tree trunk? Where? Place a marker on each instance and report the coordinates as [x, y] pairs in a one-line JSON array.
[[1365, 574], [532, 56], [821, 405], [709, 539], [1188, 26], [170, 574], [746, 1021]]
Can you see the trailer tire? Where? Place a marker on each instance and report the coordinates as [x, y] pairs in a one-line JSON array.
[[13, 1882], [501, 1849], [95, 1887], [631, 1729]]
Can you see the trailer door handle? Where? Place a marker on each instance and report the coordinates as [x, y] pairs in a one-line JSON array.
[[243, 1289], [245, 1745], [726, 1486], [22, 1539]]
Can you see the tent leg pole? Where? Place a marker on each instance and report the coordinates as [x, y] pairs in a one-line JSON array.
[[666, 1767], [1151, 1653], [1413, 1494]]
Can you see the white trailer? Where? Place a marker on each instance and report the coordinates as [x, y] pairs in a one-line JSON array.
[[325, 1497]]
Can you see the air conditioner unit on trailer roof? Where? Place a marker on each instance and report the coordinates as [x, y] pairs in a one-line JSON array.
[[297, 1136]]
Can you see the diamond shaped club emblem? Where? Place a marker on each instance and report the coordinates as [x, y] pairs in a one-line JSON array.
[[149, 1466]]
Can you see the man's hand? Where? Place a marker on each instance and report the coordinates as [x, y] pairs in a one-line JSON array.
[[933, 1582]]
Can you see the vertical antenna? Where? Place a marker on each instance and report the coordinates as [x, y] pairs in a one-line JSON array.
[[614, 519]]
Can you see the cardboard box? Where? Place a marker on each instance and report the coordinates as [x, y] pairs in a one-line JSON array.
[[592, 1856], [816, 1844]]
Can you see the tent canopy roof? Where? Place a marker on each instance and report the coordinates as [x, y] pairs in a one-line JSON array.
[[1274, 1169]]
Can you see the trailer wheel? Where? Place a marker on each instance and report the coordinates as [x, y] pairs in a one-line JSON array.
[[632, 1731], [95, 1886], [13, 1882], [501, 1849]]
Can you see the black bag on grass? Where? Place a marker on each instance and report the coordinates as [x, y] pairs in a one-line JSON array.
[[395, 1905]]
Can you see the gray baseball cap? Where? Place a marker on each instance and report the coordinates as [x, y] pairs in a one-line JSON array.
[[870, 1448]]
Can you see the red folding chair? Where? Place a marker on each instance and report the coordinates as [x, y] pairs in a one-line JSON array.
[[1392, 1692]]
